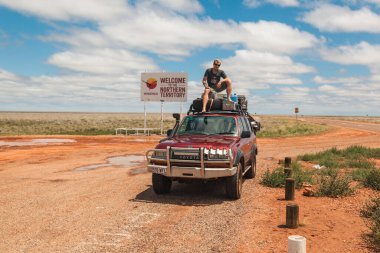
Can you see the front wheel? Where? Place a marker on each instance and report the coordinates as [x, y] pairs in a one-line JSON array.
[[251, 173], [161, 184], [234, 184]]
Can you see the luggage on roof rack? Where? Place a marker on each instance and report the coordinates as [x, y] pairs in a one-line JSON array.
[[212, 105], [220, 104]]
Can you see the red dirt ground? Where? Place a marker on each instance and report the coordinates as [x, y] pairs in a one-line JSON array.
[[48, 206]]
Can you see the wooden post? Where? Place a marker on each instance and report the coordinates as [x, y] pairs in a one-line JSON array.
[[288, 172], [288, 161], [289, 188], [292, 212]]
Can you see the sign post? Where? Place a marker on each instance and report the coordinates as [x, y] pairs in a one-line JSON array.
[[296, 110], [163, 87]]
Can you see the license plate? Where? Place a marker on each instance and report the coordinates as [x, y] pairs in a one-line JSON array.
[[159, 170]]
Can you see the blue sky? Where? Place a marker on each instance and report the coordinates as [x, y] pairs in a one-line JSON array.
[[66, 55]]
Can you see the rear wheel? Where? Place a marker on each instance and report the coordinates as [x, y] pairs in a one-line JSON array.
[[251, 173], [234, 184], [161, 184]]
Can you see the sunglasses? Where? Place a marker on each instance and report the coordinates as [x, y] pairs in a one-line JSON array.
[[216, 64]]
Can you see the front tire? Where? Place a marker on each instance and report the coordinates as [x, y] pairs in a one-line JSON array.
[[234, 184], [161, 184], [251, 173]]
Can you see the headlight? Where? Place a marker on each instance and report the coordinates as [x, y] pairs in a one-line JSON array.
[[217, 154], [159, 154]]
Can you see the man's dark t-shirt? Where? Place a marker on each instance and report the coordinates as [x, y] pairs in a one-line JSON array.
[[214, 78]]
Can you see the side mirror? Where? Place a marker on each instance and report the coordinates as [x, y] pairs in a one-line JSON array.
[[255, 125], [169, 132], [177, 116], [245, 134]]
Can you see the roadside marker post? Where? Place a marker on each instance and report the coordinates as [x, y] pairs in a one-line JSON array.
[[296, 244], [290, 188], [292, 213], [287, 169]]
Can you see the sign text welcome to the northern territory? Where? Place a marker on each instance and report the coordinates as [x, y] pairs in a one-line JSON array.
[[161, 86]]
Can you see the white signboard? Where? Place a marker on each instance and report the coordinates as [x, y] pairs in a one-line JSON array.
[[167, 87]]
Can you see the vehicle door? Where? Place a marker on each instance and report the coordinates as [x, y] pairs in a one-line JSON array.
[[245, 143]]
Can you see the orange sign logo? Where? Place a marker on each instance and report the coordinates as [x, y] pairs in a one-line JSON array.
[[151, 83]]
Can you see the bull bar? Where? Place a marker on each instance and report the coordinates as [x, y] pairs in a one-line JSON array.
[[195, 168]]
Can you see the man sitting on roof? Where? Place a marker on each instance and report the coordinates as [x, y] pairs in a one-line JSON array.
[[214, 81]]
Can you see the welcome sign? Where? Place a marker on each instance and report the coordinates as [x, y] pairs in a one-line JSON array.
[[164, 86]]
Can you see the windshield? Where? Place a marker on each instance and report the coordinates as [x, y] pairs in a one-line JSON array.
[[208, 125]]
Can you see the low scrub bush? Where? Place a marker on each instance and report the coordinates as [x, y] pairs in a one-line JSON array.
[[333, 184], [274, 179], [356, 158], [372, 180], [371, 211], [360, 174], [277, 177]]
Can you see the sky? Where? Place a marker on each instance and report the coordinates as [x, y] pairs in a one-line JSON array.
[[87, 56]]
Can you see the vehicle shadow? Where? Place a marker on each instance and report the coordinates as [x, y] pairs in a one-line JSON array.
[[194, 194]]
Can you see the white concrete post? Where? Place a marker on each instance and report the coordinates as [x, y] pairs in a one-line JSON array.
[[296, 244]]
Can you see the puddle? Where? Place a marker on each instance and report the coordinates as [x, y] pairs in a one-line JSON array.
[[119, 161], [92, 167], [35, 142], [130, 160]]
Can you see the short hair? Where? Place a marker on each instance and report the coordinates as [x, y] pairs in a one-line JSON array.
[[218, 61]]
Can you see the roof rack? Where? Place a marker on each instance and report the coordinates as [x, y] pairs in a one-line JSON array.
[[232, 112]]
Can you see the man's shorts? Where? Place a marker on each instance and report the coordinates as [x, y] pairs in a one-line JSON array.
[[222, 87]]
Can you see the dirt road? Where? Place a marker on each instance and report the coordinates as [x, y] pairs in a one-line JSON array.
[[92, 194]]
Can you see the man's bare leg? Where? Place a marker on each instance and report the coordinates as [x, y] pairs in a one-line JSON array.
[[229, 89], [205, 99]]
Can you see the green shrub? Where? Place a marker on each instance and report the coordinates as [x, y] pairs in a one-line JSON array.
[[329, 158], [301, 176], [373, 179], [360, 174], [277, 177], [372, 211], [334, 185], [274, 179]]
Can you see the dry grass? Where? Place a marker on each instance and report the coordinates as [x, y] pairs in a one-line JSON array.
[[48, 123], [286, 126], [367, 119], [20, 123]]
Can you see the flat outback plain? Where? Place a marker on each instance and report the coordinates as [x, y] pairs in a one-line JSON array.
[[66, 186]]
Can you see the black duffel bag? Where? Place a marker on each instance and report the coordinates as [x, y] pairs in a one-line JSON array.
[[215, 106]]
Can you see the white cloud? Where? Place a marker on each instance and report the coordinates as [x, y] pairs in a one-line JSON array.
[[252, 3], [70, 9], [362, 53], [277, 37], [283, 3], [181, 6], [377, 2], [323, 80], [103, 61], [253, 69], [7, 76], [334, 18]]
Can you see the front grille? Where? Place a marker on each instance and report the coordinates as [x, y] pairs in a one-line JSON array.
[[192, 156]]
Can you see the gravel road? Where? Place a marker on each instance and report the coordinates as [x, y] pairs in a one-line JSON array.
[[73, 197]]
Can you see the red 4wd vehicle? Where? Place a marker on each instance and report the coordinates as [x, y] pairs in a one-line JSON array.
[[205, 146]]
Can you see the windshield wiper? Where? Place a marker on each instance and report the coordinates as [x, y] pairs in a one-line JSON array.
[[185, 133]]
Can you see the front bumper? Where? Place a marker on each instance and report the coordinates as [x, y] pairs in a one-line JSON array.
[[200, 168]]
